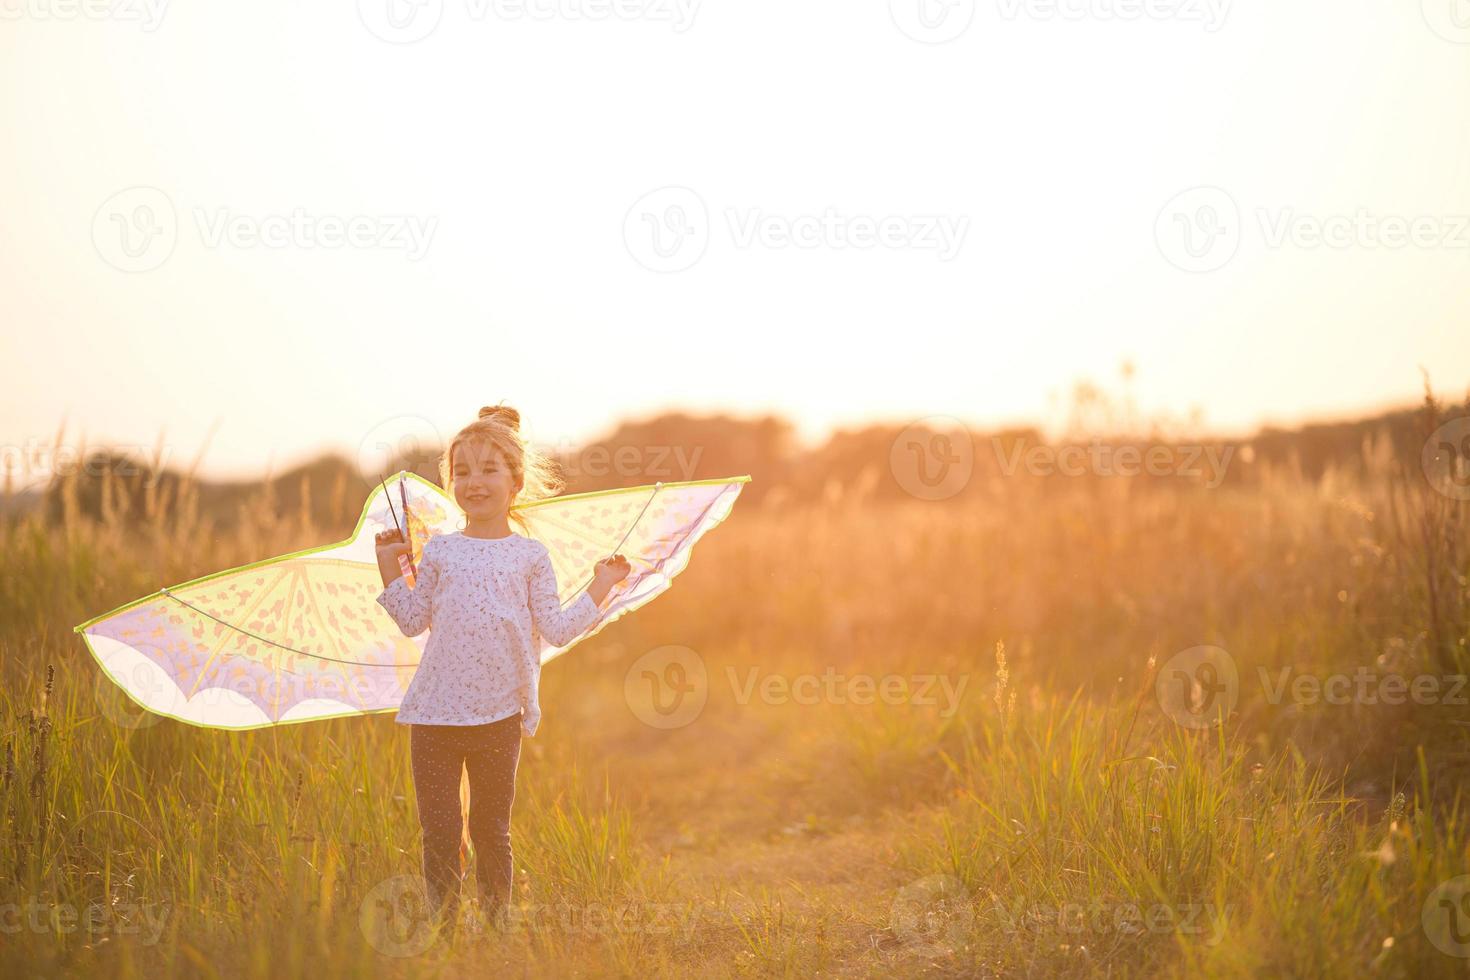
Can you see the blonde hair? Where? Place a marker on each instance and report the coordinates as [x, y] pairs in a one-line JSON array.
[[499, 426]]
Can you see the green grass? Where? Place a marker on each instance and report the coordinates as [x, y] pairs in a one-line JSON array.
[[1055, 823]]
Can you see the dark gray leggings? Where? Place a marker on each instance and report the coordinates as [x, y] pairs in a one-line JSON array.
[[490, 753]]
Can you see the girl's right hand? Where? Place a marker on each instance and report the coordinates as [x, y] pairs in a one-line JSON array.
[[390, 545]]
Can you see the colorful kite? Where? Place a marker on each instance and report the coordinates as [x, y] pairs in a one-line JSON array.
[[301, 637]]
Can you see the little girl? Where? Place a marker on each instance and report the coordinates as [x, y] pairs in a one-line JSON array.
[[486, 592]]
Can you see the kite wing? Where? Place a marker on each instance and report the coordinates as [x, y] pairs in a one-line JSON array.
[[655, 527], [294, 638], [301, 637]]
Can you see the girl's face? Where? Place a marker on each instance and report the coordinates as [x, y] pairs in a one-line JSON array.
[[483, 484]]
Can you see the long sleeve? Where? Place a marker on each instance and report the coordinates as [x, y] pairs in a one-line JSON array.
[[410, 608], [559, 626]]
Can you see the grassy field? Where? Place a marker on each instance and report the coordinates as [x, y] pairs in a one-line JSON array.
[[961, 738]]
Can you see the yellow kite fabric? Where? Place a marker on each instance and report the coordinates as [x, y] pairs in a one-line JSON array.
[[301, 637]]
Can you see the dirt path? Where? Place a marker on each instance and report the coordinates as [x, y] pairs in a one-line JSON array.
[[813, 889]]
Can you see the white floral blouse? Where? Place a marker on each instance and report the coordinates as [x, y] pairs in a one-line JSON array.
[[486, 599]]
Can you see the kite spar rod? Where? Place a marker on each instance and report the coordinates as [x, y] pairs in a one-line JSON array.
[[290, 649], [360, 663], [618, 547], [405, 564]]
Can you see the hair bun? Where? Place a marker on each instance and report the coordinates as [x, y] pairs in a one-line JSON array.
[[503, 414]]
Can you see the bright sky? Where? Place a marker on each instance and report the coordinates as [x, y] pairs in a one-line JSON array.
[[981, 221]]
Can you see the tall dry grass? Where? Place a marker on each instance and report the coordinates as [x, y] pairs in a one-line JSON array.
[[1017, 834]]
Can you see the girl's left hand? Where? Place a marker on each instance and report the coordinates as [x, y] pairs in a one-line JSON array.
[[614, 569]]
